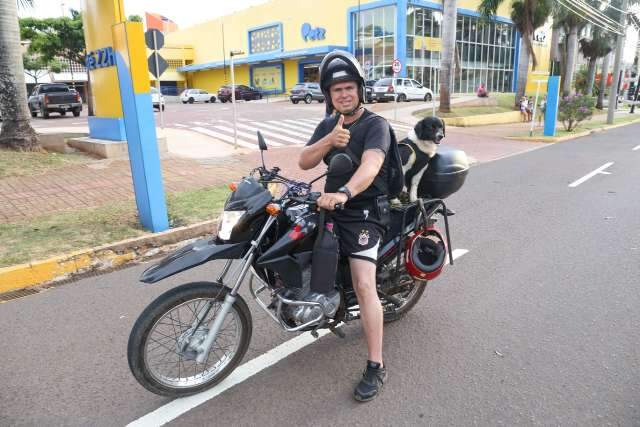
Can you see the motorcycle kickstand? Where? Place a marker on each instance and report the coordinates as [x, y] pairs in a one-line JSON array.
[[338, 332]]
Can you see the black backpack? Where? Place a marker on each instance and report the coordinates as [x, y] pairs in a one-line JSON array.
[[395, 178]]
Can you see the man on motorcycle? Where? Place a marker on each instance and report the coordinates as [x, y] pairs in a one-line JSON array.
[[365, 137]]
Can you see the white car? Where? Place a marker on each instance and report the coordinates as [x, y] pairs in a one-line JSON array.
[[157, 99], [196, 95], [405, 89]]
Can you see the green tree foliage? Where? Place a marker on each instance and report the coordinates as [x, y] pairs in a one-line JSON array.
[[37, 67], [527, 15], [53, 38], [134, 18]]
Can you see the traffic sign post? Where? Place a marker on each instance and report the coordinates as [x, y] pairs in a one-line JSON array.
[[396, 67], [154, 40]]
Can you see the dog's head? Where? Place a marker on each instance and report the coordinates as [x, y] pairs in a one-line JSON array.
[[430, 129]]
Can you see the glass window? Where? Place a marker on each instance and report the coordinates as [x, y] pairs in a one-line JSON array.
[[265, 39]]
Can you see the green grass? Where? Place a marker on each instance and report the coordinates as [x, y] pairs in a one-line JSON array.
[[598, 122], [15, 163], [505, 104], [63, 232]]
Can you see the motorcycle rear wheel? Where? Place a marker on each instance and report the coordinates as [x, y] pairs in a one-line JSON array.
[[154, 354], [409, 293]]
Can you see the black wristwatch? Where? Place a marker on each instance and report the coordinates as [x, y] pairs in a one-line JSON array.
[[344, 190]]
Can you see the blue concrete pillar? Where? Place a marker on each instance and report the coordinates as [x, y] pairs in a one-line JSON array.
[[551, 111], [401, 35]]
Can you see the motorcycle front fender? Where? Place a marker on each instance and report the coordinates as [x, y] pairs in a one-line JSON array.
[[192, 255]]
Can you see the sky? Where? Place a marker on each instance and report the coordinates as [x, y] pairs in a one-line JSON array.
[[183, 12]]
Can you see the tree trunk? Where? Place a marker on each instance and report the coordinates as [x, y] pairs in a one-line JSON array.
[[617, 67], [572, 53], [604, 74], [591, 76], [448, 51], [16, 132], [555, 41], [523, 71]]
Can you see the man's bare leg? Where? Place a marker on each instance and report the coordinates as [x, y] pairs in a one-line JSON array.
[[363, 275]]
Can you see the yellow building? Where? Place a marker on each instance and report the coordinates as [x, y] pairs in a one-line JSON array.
[[284, 41]]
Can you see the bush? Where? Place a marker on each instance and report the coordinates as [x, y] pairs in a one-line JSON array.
[[580, 81], [575, 108]]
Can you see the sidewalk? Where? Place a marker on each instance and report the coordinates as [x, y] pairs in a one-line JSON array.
[[196, 161]]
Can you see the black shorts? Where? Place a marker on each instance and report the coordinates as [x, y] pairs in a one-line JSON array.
[[360, 233]]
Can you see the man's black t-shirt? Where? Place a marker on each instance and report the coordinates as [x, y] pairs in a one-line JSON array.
[[369, 132]]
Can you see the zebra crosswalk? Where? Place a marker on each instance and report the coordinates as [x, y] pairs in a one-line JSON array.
[[277, 133]]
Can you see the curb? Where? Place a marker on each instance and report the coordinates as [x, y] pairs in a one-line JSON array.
[[99, 258], [570, 137]]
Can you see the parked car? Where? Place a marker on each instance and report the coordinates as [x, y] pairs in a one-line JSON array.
[[157, 99], [54, 97], [405, 89], [306, 92], [370, 94], [246, 93], [196, 95]]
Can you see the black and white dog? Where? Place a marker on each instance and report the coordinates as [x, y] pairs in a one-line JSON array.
[[417, 149]]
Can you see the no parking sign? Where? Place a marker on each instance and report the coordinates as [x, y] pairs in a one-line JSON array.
[[396, 66]]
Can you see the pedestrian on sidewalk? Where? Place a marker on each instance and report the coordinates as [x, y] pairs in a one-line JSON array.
[[542, 107], [530, 109], [523, 108]]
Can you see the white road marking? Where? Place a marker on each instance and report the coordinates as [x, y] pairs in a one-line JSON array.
[[290, 126], [312, 121], [178, 407], [456, 253], [78, 123], [400, 126], [201, 123], [174, 409], [302, 124], [600, 170], [225, 138], [272, 134], [180, 125], [280, 129], [636, 148], [249, 136]]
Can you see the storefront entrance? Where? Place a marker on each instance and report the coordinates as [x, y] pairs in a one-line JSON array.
[[308, 70]]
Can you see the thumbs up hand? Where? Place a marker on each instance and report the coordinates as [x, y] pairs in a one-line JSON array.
[[339, 136]]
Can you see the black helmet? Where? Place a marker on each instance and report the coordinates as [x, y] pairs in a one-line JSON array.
[[340, 66]]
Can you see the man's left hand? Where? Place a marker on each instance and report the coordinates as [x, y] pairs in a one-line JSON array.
[[330, 200]]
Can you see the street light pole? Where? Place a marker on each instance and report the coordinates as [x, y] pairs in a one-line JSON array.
[[233, 98]]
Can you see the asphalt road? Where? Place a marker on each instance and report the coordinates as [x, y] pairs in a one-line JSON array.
[[536, 325]]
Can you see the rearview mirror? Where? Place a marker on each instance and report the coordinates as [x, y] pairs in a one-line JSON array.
[[340, 164], [261, 142]]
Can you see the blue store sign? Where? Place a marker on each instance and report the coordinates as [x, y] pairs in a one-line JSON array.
[[310, 33], [100, 58]]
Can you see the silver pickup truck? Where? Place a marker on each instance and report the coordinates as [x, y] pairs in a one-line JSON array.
[[54, 97]]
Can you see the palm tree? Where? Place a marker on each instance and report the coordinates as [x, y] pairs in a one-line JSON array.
[[449, 24], [597, 47], [16, 132], [571, 24], [527, 15]]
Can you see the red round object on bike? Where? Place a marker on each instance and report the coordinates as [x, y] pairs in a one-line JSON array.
[[425, 255]]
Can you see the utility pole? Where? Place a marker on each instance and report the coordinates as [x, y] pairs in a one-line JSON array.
[[613, 91]]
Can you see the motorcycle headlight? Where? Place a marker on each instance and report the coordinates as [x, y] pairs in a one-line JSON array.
[[228, 220]]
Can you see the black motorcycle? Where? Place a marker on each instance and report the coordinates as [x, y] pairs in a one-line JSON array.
[[193, 336]]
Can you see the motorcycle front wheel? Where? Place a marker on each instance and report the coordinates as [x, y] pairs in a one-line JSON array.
[[160, 352]]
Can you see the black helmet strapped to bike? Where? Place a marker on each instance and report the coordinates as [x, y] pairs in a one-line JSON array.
[[340, 66]]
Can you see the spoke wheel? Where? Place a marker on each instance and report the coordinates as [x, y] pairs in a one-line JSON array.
[[407, 290], [162, 354]]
